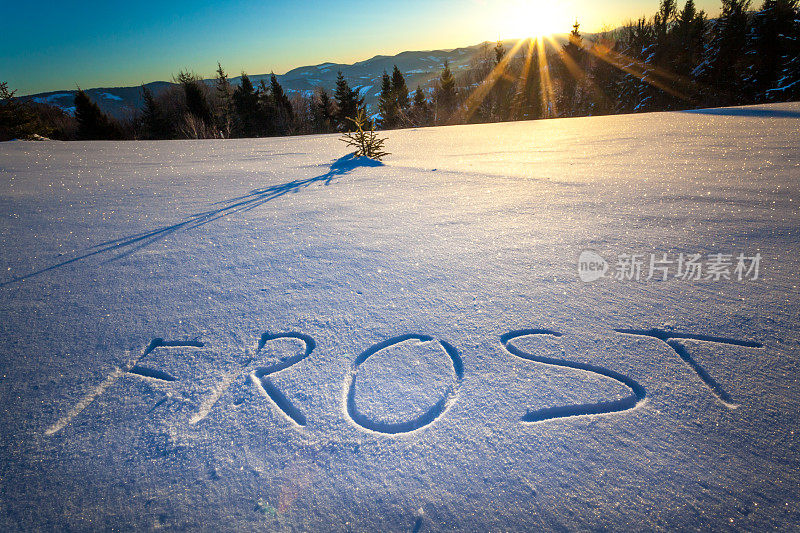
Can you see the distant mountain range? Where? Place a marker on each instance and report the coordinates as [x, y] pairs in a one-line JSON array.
[[419, 68]]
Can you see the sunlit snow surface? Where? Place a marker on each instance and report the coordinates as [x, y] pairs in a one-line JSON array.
[[217, 364]]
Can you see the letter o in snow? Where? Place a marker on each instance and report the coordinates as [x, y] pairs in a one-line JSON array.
[[419, 421]]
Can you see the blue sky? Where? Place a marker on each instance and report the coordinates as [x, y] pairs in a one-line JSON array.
[[48, 45]]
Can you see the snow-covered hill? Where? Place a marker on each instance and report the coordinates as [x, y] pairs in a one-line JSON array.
[[268, 334]]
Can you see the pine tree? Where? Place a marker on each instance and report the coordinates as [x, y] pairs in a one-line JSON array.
[[196, 101], [446, 96], [283, 112], [770, 43], [662, 22], [348, 104], [266, 118], [93, 124], [499, 52], [419, 98], [528, 103], [501, 94], [323, 112], [572, 52], [607, 78], [8, 113], [154, 123], [17, 120], [224, 104], [788, 86], [364, 139], [400, 89], [420, 110], [687, 15], [387, 103], [726, 53], [635, 93], [246, 108], [664, 56], [690, 30]]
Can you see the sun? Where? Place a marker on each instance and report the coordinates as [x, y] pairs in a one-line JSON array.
[[537, 18]]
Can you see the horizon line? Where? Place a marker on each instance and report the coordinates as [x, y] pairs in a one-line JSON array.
[[203, 77]]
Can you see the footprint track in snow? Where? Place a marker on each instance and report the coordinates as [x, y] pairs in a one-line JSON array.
[[638, 392]]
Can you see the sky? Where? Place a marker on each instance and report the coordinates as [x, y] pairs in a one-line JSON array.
[[48, 46]]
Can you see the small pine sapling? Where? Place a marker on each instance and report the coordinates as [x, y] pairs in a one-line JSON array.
[[366, 142]]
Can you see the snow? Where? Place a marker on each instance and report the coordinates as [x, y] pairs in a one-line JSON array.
[[109, 96], [362, 91], [195, 332], [70, 110], [308, 93], [50, 98], [782, 88]]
